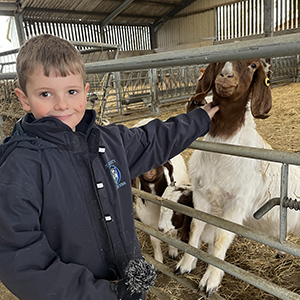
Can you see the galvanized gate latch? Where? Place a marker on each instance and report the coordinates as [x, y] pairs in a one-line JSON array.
[[287, 202]]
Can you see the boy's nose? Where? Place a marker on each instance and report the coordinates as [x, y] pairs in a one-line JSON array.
[[61, 103]]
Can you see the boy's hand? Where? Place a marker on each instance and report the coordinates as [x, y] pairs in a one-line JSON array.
[[211, 110]]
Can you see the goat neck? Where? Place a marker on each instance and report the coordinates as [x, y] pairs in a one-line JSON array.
[[230, 117]]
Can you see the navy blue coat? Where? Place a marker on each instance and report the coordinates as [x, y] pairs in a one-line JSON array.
[[66, 216]]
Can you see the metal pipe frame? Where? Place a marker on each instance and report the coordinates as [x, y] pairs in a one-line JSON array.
[[284, 45], [285, 158], [283, 208], [255, 235], [255, 280]]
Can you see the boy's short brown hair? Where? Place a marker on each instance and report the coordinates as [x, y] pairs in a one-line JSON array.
[[52, 54]]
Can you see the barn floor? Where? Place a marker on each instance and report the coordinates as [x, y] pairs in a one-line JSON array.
[[282, 131]]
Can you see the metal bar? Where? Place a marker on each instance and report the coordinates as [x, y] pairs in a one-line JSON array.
[[255, 280], [8, 8], [268, 47], [260, 48], [117, 11], [224, 224], [283, 208], [19, 27], [266, 207], [295, 14], [250, 152], [290, 14]]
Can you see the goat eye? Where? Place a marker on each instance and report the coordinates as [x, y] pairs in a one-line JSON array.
[[253, 65]]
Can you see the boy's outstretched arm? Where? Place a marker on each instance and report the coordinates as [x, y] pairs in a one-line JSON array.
[[153, 144]]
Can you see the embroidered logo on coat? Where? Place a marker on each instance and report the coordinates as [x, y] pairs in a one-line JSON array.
[[115, 173]]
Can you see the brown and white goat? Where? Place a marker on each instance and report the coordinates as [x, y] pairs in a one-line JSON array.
[[169, 220], [155, 182], [234, 187]]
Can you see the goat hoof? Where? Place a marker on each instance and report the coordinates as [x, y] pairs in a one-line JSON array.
[[177, 271], [280, 255], [200, 288], [173, 257], [210, 292]]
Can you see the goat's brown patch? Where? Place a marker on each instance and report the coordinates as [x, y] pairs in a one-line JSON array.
[[181, 221]]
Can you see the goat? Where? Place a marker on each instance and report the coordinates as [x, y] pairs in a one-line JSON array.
[[155, 182], [234, 187], [169, 220]]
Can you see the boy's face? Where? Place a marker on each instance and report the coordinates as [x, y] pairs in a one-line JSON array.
[[61, 97]]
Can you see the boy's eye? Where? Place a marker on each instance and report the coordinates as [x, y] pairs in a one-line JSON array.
[[45, 94], [73, 92]]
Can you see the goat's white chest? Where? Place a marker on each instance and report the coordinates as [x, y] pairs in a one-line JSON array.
[[152, 188]]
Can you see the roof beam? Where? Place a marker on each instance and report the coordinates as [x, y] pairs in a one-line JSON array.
[[8, 8], [74, 12], [155, 3], [172, 13], [116, 12], [63, 11]]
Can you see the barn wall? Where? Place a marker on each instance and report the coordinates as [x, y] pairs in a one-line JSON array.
[[192, 27]]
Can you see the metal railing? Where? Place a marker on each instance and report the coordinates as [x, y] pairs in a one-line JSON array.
[[285, 158]]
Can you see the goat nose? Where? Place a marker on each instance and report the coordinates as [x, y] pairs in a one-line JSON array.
[[225, 74], [161, 229]]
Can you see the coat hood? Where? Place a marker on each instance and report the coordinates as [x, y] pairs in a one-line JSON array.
[[47, 132]]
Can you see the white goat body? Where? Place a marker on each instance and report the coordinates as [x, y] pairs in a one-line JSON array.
[[234, 187]]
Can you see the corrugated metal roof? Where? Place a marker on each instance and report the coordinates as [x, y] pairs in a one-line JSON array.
[[129, 12]]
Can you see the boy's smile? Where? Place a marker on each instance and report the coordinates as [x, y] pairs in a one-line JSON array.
[[61, 97]]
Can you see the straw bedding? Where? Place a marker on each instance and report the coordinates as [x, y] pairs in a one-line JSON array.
[[281, 131]]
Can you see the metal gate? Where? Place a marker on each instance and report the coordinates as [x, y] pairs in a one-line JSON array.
[[281, 244]]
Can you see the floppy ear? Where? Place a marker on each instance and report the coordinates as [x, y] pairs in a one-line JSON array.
[[196, 101], [261, 97], [204, 84]]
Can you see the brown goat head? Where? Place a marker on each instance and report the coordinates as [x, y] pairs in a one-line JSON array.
[[237, 82]]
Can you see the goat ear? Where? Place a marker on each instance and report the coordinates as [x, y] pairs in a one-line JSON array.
[[261, 98], [204, 84]]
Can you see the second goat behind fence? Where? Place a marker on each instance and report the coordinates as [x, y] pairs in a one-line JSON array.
[[155, 182]]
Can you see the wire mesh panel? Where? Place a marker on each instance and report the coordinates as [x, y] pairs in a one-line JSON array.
[[285, 68], [145, 92], [7, 61], [177, 83]]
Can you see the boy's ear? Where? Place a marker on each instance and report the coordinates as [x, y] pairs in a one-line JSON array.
[[87, 87], [23, 99]]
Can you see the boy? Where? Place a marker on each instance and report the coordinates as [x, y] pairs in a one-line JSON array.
[[66, 216]]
